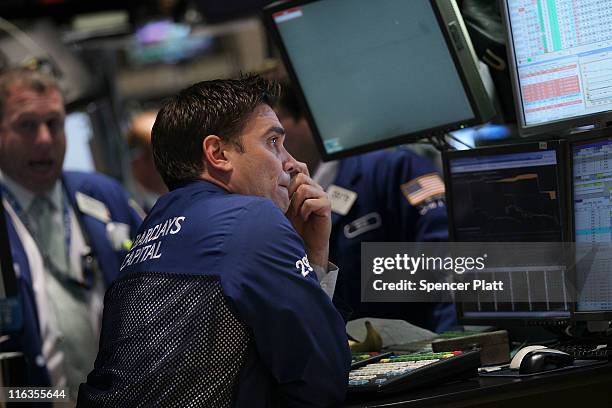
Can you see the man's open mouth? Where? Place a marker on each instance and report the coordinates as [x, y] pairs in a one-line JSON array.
[[41, 165]]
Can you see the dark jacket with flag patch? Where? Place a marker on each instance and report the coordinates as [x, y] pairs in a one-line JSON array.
[[399, 199]]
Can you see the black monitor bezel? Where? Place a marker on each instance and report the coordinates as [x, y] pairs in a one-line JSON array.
[[561, 148], [481, 114], [581, 139]]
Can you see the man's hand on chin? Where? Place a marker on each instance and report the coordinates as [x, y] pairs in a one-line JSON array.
[[310, 213]]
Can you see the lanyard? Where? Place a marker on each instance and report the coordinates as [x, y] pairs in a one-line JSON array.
[[87, 283]]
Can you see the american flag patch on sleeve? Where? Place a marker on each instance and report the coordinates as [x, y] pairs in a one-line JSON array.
[[423, 188]]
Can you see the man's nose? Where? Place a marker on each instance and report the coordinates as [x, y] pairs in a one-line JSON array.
[[292, 166], [44, 134]]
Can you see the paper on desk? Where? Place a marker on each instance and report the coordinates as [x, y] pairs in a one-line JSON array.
[[394, 333]]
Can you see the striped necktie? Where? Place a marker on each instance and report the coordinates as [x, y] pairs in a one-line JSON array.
[[48, 232]]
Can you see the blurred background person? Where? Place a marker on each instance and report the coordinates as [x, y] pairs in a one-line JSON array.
[[148, 184], [68, 233]]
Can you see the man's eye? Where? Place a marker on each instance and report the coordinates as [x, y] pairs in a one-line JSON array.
[[27, 126], [274, 140], [55, 125]]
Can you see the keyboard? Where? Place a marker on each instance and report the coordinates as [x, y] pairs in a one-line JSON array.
[[586, 351], [361, 359], [401, 372]]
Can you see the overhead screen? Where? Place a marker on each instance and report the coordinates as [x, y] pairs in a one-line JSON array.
[[561, 52], [376, 73]]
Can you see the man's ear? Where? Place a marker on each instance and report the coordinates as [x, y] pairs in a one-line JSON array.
[[215, 152]]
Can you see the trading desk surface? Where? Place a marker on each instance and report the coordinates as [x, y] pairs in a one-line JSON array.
[[576, 388]]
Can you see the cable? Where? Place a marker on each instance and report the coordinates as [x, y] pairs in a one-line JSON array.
[[440, 143], [446, 143], [459, 141], [435, 142]]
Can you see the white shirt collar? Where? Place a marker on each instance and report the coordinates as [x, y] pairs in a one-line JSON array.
[[326, 173], [24, 196]]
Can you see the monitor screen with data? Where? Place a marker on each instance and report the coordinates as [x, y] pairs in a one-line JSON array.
[[506, 194], [561, 56], [512, 193], [591, 185]]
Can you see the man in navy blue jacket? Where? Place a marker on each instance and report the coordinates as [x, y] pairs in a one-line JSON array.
[[224, 298], [68, 233]]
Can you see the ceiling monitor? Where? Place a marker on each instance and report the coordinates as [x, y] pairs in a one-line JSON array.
[[372, 74], [561, 64], [513, 193]]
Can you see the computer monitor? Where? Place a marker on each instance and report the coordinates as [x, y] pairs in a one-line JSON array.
[[561, 61], [371, 74], [591, 186], [512, 193]]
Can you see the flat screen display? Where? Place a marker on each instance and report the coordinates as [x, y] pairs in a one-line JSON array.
[[592, 183], [376, 73], [561, 53], [512, 193]]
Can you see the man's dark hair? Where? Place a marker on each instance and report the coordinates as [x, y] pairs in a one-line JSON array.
[[37, 81], [219, 107]]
